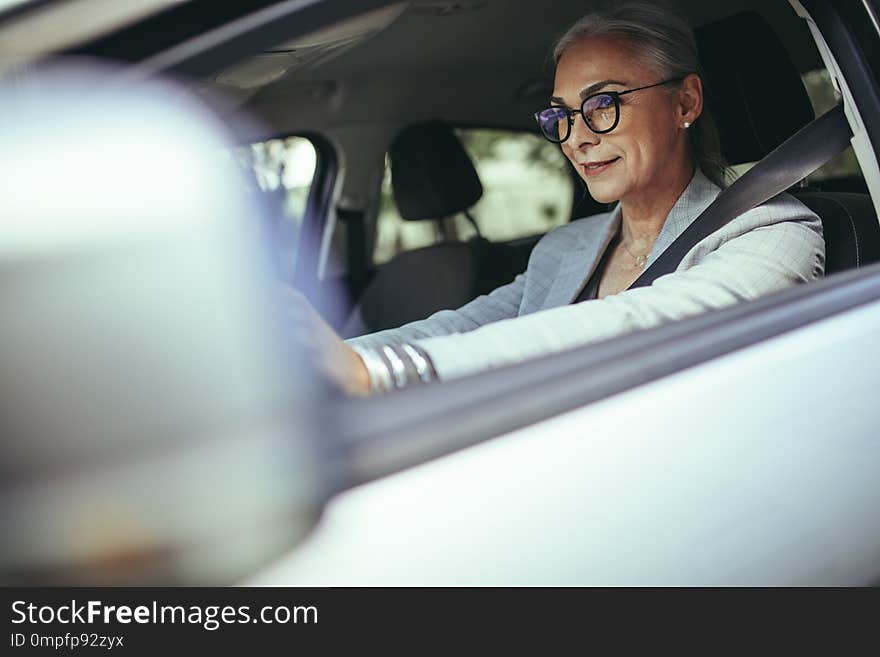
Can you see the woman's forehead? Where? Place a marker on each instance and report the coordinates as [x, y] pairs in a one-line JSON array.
[[589, 61]]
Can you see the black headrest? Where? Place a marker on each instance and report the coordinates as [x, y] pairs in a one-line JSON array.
[[754, 90], [431, 174]]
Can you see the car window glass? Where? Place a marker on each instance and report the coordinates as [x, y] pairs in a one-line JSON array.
[[527, 190], [282, 168], [824, 97]]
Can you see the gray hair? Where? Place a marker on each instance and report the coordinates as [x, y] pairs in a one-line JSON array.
[[665, 43]]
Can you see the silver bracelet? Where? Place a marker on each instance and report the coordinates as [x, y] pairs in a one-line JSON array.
[[380, 375], [420, 363], [392, 367], [398, 369]]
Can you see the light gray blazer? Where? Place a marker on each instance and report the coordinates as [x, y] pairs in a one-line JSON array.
[[766, 249]]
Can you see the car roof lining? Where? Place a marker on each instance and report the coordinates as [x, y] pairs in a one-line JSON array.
[[423, 64]]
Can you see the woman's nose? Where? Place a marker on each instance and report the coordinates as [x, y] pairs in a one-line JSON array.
[[581, 135]]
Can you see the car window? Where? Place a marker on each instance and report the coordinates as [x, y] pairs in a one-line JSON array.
[[823, 97], [527, 190], [284, 168]]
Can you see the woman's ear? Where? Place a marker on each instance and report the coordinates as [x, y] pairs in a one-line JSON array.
[[690, 99]]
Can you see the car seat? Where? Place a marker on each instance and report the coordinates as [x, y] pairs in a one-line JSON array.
[[739, 91], [432, 177]]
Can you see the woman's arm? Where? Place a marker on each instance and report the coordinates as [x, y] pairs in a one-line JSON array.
[[767, 249], [346, 363], [501, 303]]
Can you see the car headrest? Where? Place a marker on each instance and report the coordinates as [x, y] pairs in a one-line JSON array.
[[754, 91], [431, 174]]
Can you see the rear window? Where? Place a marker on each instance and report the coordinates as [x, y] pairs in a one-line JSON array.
[[527, 190]]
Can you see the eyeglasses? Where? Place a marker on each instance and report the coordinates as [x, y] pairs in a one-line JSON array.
[[601, 113]]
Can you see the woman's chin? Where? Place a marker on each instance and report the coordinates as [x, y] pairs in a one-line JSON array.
[[603, 191]]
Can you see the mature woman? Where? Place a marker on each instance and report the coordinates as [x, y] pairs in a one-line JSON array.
[[627, 110]]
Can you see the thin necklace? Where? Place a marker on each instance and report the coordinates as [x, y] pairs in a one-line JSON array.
[[640, 259]]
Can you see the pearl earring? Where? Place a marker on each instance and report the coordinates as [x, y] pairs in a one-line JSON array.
[[687, 124]]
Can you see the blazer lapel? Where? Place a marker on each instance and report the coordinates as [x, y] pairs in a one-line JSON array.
[[576, 266], [695, 198]]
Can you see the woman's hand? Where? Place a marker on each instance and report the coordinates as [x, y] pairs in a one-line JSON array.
[[335, 359]]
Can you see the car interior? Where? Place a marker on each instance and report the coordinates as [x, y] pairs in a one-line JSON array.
[[395, 146], [403, 84], [395, 152]]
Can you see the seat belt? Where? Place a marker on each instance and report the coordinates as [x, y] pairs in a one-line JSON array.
[[790, 162]]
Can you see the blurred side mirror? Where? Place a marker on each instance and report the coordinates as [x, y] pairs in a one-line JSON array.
[[155, 414]]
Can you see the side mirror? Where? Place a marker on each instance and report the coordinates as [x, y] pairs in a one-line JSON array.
[[155, 414]]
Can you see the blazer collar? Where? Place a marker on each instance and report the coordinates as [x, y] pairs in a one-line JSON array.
[[695, 198], [576, 266]]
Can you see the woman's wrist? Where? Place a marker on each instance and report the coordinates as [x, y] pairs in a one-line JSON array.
[[390, 367], [361, 379]]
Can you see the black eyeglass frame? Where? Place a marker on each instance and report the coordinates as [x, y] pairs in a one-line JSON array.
[[615, 96]]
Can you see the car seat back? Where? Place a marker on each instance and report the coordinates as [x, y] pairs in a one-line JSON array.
[[739, 91], [432, 177]]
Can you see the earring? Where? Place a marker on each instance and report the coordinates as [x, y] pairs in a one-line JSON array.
[[687, 124]]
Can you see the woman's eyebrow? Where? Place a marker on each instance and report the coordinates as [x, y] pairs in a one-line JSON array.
[[586, 91], [593, 88]]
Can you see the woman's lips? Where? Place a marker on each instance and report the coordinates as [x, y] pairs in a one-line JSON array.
[[596, 168]]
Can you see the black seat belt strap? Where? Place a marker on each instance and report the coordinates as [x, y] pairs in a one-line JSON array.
[[791, 161]]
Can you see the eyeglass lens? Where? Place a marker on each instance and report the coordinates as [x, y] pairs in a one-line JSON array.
[[600, 113]]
